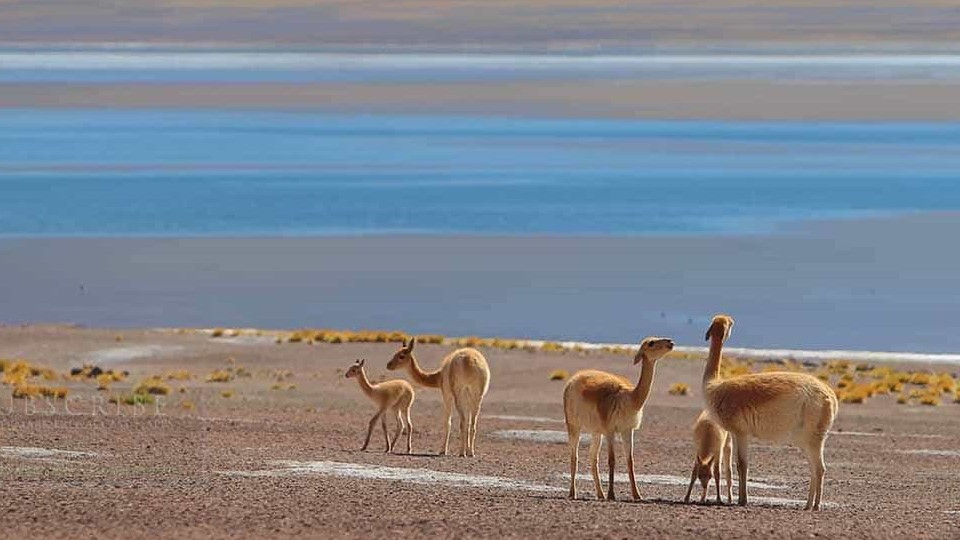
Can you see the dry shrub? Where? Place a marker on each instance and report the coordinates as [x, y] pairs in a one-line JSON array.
[[219, 376], [153, 385], [678, 389], [132, 399], [179, 375], [30, 391], [559, 375], [434, 339], [227, 394], [218, 332], [551, 346]]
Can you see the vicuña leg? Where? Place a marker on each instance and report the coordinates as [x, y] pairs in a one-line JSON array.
[[473, 431], [386, 437], [817, 469], [409, 429], [728, 466], [573, 439], [716, 474], [597, 440], [396, 434], [741, 445], [448, 415], [612, 463], [693, 479], [373, 424], [627, 437]]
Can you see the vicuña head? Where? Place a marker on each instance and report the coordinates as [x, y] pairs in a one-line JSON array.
[[720, 327], [653, 349], [354, 370], [402, 357]]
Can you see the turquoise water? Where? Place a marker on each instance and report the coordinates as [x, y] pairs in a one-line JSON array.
[[226, 173]]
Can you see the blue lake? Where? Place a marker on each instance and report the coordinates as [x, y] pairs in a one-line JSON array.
[[220, 173]]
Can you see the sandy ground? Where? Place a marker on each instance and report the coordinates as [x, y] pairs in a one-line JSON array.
[[646, 99], [269, 463]]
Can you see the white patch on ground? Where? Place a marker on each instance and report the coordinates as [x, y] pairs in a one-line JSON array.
[[867, 434], [788, 503], [664, 480], [952, 512], [539, 419], [377, 472], [245, 340], [538, 436], [30, 452], [925, 452], [125, 354]]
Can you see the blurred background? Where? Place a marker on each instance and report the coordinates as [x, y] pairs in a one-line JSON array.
[[549, 169]]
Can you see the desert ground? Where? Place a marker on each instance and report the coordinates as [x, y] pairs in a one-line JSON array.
[[274, 451]]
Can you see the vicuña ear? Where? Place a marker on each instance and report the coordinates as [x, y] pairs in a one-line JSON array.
[[413, 341], [404, 343], [361, 362]]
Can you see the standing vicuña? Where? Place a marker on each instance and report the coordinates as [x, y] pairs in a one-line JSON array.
[[396, 395], [463, 380], [779, 407], [605, 404], [713, 446]]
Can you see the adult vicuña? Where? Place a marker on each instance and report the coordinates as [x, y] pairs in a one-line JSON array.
[[463, 380], [713, 446], [396, 395], [604, 404], [779, 407]]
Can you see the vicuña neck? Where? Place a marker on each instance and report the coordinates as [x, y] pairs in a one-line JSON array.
[[365, 382], [641, 392], [423, 378], [711, 371]]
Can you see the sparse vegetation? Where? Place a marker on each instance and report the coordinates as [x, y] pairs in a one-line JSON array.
[[678, 389], [153, 385], [132, 399], [559, 375], [227, 394], [551, 346], [220, 376]]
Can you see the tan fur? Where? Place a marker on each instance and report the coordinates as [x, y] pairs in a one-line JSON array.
[[795, 408], [395, 395], [604, 404], [463, 379], [714, 447]]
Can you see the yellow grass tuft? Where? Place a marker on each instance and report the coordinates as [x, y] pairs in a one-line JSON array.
[[132, 399], [227, 394], [559, 375], [104, 380], [552, 346], [218, 332], [179, 375], [220, 376], [153, 385], [678, 389], [30, 391]]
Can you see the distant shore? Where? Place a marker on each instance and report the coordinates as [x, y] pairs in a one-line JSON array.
[[858, 285]]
